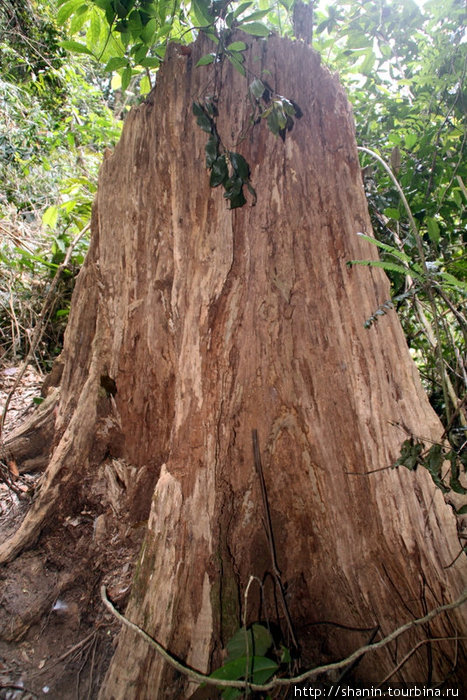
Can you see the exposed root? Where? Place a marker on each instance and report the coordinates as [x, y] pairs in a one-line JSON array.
[[35, 519], [29, 445], [56, 477], [73, 448]]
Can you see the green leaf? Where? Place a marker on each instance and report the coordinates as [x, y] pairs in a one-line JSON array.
[[433, 229], [368, 63], [410, 453], [233, 186], [67, 9], [78, 18], [210, 107], [206, 59], [285, 655], [433, 463], [229, 19], [384, 246], [236, 199], [288, 107], [392, 213], [94, 32], [140, 51], [410, 140], [202, 119], [219, 172], [257, 88], [453, 281], [120, 8], [259, 642], [149, 32], [202, 14], [388, 266], [211, 150], [260, 669], [115, 63], [462, 511], [103, 4], [134, 22], [236, 63], [126, 77], [241, 8], [76, 47], [145, 85], [231, 693], [150, 62], [273, 122], [50, 216], [256, 29], [240, 166], [198, 111], [281, 116], [237, 46], [454, 482], [259, 14]]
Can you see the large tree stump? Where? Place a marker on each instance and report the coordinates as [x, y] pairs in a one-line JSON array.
[[192, 325]]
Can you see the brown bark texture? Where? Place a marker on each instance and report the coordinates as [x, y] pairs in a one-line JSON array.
[[192, 325]]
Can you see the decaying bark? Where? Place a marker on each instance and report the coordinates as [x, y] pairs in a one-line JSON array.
[[192, 325]]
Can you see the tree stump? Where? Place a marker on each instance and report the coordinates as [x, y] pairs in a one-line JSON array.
[[192, 325]]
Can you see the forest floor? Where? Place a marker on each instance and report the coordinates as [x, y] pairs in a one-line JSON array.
[[56, 637]]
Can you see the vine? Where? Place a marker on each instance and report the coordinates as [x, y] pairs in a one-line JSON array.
[[275, 681], [414, 453], [229, 168]]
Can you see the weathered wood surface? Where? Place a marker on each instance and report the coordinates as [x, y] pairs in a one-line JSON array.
[[228, 321]]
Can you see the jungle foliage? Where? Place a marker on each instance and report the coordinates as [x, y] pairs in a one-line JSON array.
[[70, 69]]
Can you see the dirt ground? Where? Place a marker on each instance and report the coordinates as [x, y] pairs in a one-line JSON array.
[[56, 637]]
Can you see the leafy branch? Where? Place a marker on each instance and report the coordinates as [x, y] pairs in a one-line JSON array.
[[425, 274], [413, 453], [229, 168]]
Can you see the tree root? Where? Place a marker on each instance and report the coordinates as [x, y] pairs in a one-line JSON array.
[[30, 528], [73, 448], [30, 444]]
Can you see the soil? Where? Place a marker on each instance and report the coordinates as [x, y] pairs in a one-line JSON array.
[[56, 637]]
